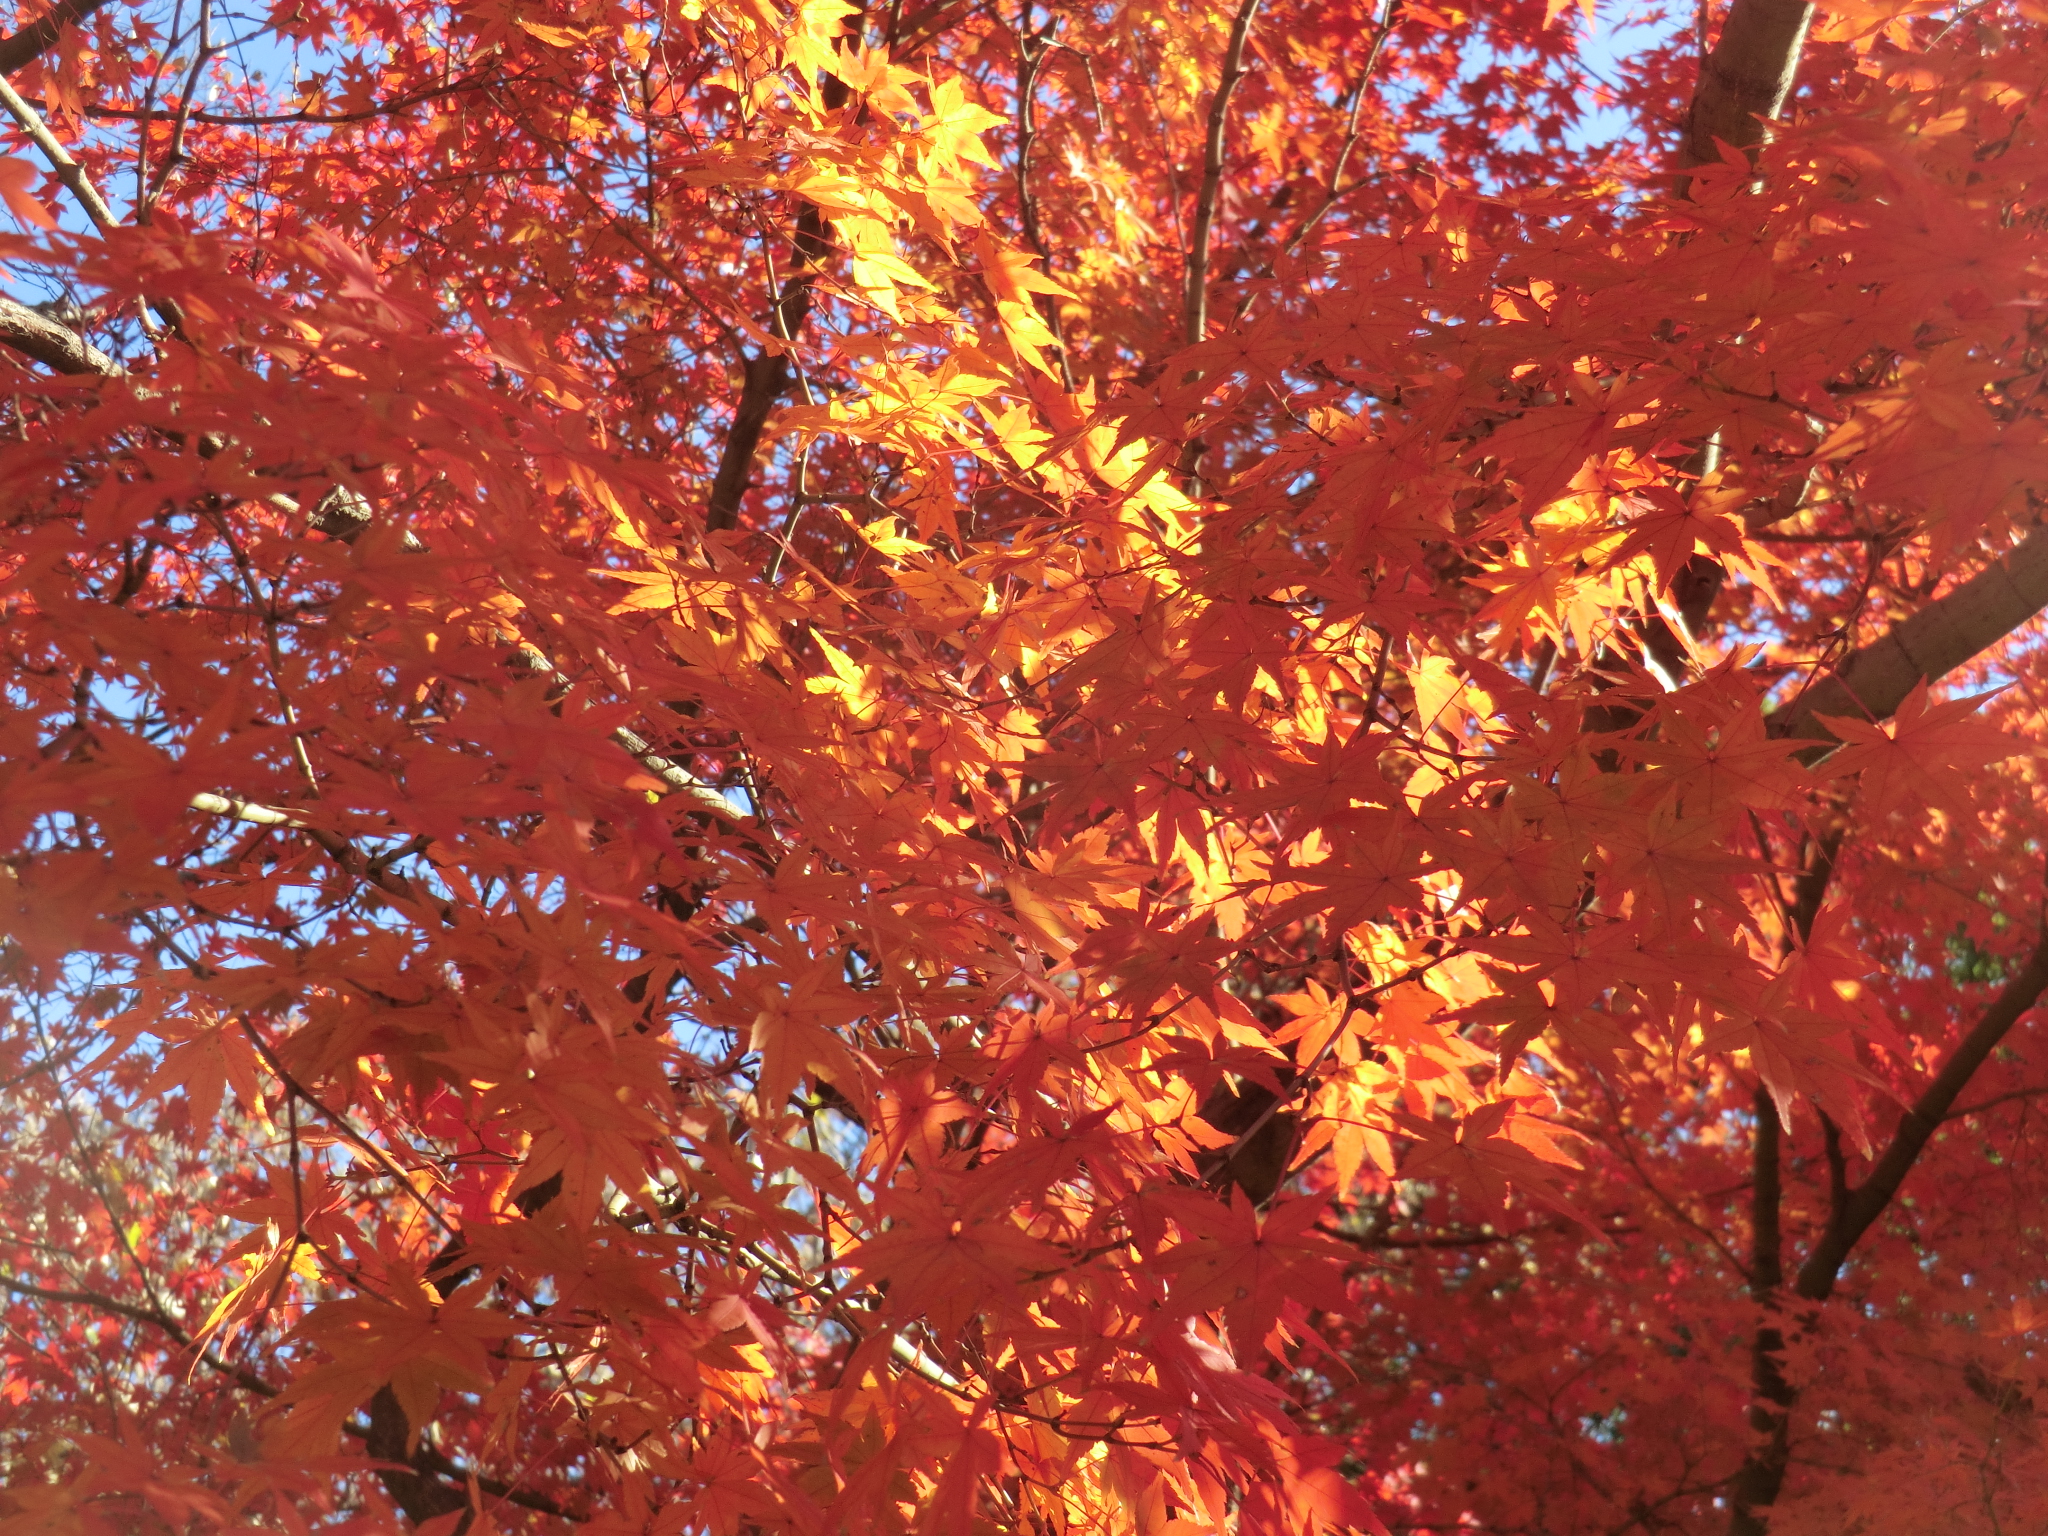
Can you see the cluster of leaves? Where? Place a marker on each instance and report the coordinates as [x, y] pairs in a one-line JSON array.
[[796, 769]]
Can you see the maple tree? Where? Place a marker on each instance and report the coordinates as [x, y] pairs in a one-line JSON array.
[[943, 768]]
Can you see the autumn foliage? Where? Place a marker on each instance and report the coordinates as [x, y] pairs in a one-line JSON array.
[[1143, 768]]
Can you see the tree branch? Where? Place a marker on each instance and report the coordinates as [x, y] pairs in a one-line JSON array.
[[418, 1491], [1335, 187], [1195, 298], [1982, 1106], [1195, 279], [72, 174], [425, 1459], [1817, 1276], [766, 375], [68, 170], [1763, 1468], [40, 35], [1875, 680], [1745, 79], [247, 1380], [1453, 1240], [1031, 47], [55, 346], [341, 514]]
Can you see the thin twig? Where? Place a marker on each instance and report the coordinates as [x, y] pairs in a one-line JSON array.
[[174, 156], [1335, 189], [1031, 47]]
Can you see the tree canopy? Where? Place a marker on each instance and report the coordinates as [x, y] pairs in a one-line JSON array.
[[1266, 767]]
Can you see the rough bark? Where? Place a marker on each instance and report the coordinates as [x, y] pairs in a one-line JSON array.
[[55, 346]]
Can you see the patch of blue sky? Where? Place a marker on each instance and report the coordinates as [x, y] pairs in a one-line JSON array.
[[208, 53], [1606, 48]]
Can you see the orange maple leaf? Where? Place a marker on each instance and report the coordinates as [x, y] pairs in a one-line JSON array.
[[1924, 752]]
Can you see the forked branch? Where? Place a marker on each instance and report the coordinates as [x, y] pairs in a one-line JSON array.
[[1861, 1206], [765, 375], [1851, 1213]]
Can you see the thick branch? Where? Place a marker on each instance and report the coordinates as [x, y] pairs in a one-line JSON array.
[[55, 346], [1763, 1469], [418, 1492], [72, 175], [763, 378], [1867, 1202], [1766, 1265], [1458, 1240], [1874, 681], [40, 35], [1851, 1213], [1746, 78]]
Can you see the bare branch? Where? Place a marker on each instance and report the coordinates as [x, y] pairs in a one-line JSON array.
[[174, 156], [72, 174], [1335, 187], [1196, 295], [155, 1317], [1983, 1106], [1396, 1243], [1746, 78], [387, 108], [68, 170], [55, 346], [1031, 50]]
